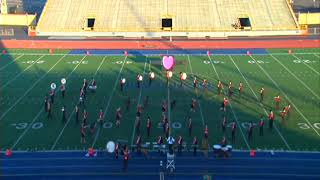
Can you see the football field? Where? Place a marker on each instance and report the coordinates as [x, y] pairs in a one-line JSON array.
[[26, 75]]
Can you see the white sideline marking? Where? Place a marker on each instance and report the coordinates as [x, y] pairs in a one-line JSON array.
[[203, 122], [11, 62], [307, 65], [286, 97], [245, 140], [283, 139], [71, 115], [39, 113], [34, 84], [139, 99], [18, 75], [296, 77], [109, 100], [182, 54]]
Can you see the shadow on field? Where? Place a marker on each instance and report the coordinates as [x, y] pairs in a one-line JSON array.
[[26, 110]]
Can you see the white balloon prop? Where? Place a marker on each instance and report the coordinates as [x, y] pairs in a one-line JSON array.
[[111, 146], [63, 81], [53, 86]]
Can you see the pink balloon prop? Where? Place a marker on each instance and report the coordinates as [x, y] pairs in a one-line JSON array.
[[168, 62]]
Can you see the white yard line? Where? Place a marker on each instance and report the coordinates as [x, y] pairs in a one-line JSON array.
[[27, 91], [18, 75], [317, 55], [296, 77], [139, 99], [109, 101], [276, 84], [265, 111], [71, 115], [307, 65], [3, 67], [202, 119], [239, 125]]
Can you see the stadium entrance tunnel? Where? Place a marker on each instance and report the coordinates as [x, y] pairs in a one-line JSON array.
[[167, 24], [90, 23], [245, 23]]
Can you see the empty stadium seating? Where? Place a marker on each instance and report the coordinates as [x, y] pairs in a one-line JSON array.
[[143, 17]]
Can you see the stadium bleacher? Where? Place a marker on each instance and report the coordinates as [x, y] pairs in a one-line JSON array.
[[193, 18]]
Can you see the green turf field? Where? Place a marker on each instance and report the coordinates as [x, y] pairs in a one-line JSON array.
[[26, 76]]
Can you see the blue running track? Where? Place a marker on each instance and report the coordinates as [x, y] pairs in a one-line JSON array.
[[74, 165]]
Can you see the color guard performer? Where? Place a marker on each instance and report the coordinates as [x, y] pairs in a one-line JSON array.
[[190, 126], [261, 94], [118, 117], [220, 87], [271, 119], [261, 124], [193, 105], [180, 141], [63, 90], [240, 88], [149, 126], [46, 103], [195, 145], [233, 132], [138, 143], [64, 116], [204, 84], [277, 101], [101, 116], [77, 114], [206, 132], [195, 83], [85, 117], [51, 93], [224, 124], [230, 88]]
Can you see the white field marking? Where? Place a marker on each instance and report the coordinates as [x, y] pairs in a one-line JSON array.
[[26, 130], [182, 54], [317, 55], [35, 118], [296, 77], [3, 67], [234, 115], [139, 99], [265, 111], [18, 75], [276, 84], [26, 92], [307, 65], [203, 122], [71, 115], [109, 101]]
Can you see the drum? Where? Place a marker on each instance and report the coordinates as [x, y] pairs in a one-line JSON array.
[[229, 148], [224, 149], [53, 86], [216, 148]]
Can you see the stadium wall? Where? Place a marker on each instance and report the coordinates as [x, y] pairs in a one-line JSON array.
[[195, 44]]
